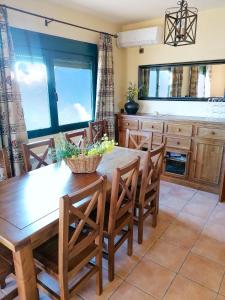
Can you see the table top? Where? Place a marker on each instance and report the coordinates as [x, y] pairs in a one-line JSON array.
[[30, 202]]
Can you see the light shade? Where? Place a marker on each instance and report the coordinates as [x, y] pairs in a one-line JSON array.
[[180, 25]]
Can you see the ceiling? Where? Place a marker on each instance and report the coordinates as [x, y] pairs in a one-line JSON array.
[[128, 11]]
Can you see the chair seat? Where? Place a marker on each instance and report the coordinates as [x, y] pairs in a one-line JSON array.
[[47, 254]]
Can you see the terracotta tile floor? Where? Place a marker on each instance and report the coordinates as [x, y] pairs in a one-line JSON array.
[[183, 258]]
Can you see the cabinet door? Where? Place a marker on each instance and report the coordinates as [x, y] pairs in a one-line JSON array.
[[207, 161], [122, 138]]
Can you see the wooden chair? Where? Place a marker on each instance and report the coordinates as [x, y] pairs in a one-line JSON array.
[[6, 258], [66, 254], [4, 163], [138, 139], [82, 134], [119, 212], [28, 152], [147, 197], [5, 270], [97, 130]]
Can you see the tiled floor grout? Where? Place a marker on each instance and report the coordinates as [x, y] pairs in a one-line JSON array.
[[199, 234], [151, 242], [176, 273], [221, 281]]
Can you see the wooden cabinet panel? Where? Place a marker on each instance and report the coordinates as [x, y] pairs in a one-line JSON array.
[[151, 125], [207, 159], [122, 138], [178, 143], [126, 123], [201, 140], [211, 133], [179, 129]]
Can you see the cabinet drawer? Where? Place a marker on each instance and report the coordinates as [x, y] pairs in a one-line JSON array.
[[178, 143], [179, 129], [211, 133], [150, 125], [128, 124]]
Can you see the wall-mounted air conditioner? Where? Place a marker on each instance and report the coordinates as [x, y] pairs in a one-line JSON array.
[[140, 37]]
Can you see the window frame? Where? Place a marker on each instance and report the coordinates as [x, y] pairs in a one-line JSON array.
[[33, 44]]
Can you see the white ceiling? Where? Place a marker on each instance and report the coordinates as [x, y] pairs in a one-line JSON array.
[[126, 11]]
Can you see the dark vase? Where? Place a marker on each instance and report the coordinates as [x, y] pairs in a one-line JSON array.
[[131, 107]]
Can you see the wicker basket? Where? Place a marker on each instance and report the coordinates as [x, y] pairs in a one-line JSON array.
[[83, 164]]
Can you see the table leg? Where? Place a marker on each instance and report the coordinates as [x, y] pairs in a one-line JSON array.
[[25, 273]]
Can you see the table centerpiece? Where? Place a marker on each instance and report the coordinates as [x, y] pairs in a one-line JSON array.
[[84, 159]]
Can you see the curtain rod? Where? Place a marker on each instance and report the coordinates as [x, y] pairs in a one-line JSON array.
[[49, 20]]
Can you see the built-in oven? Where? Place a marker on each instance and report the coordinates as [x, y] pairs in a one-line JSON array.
[[176, 163]]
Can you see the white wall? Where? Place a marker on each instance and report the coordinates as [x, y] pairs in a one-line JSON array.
[[210, 45]]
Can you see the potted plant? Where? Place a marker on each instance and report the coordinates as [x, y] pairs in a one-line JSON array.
[[82, 159], [131, 106]]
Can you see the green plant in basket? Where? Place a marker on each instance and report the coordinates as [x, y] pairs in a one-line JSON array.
[[64, 149], [84, 159], [100, 148]]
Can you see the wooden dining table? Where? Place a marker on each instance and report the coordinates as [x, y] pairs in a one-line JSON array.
[[29, 209]]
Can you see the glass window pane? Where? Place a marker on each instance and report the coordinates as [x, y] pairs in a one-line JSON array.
[[153, 83], [164, 83], [73, 81], [33, 83]]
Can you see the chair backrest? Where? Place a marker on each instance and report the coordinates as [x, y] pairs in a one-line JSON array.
[[5, 164], [77, 138], [41, 160], [71, 245], [124, 186], [97, 130], [152, 170], [138, 139]]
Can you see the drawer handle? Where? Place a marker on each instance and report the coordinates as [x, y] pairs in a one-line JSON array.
[[213, 132], [179, 129], [178, 143], [127, 124], [152, 126]]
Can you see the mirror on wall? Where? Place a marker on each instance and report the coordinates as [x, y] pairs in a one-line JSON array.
[[198, 81]]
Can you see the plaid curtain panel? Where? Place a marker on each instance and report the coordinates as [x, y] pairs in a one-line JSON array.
[[177, 73], [105, 84], [12, 124], [194, 81]]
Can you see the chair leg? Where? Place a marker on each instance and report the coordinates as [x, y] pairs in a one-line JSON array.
[[99, 274], [111, 259], [154, 218], [130, 238], [157, 201], [140, 225], [64, 291], [156, 210], [2, 282]]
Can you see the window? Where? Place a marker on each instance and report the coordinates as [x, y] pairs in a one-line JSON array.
[[57, 80], [159, 82], [33, 83]]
